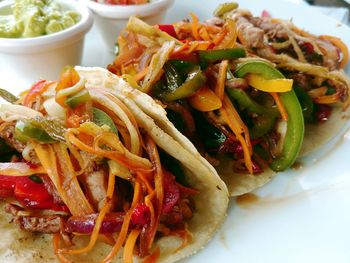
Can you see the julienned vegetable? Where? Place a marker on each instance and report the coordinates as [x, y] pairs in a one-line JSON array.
[[266, 120], [101, 118], [186, 80], [8, 96], [293, 138], [25, 131], [221, 54], [77, 99], [96, 170], [195, 80]]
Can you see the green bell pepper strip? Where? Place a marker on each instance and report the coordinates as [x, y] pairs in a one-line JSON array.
[[295, 125], [25, 131], [224, 8], [8, 96], [262, 125], [306, 103], [195, 80], [53, 127], [101, 118], [221, 54], [266, 119], [182, 66], [173, 78], [245, 101], [78, 99], [210, 135]]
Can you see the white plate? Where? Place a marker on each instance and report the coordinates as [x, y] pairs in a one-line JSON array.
[[302, 215]]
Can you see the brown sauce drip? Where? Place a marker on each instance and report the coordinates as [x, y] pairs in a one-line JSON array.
[[247, 200]]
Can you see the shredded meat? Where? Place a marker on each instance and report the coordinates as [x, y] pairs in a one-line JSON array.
[[301, 80], [253, 37], [236, 83], [12, 209], [44, 224], [96, 187], [254, 32], [272, 30], [215, 21], [94, 180], [50, 187], [180, 212], [7, 133], [341, 89]]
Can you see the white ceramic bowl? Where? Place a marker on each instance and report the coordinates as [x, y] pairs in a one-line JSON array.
[[111, 19], [28, 59]]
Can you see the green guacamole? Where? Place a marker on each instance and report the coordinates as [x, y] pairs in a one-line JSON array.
[[32, 18]]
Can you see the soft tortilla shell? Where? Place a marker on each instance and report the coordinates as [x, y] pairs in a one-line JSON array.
[[241, 183], [317, 135], [210, 204]]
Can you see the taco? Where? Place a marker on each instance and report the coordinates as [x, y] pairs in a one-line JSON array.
[[87, 175], [246, 113], [315, 63]]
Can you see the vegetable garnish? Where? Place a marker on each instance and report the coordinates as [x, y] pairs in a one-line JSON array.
[[223, 71]]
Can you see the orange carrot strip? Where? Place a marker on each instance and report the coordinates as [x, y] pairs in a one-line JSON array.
[[129, 245], [154, 218], [121, 237], [195, 26], [220, 83], [236, 124], [180, 49], [220, 36], [204, 34], [137, 193], [230, 39], [56, 247], [140, 75], [152, 151], [329, 99], [124, 230], [145, 182], [280, 105]]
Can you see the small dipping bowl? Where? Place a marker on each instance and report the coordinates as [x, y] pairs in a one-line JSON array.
[[26, 60], [112, 19]]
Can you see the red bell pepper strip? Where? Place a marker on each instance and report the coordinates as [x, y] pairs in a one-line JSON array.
[[38, 88], [265, 13], [171, 192], [169, 29], [7, 186], [111, 223], [29, 193]]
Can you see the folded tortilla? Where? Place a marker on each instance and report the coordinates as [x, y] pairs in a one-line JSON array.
[[210, 203]]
